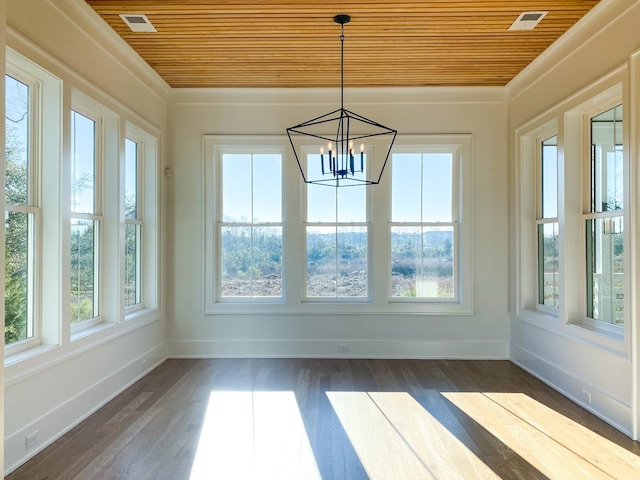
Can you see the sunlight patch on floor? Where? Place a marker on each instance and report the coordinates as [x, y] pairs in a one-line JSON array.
[[254, 435], [552, 443], [395, 437]]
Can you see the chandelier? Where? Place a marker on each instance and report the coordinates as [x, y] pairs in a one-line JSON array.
[[343, 159]]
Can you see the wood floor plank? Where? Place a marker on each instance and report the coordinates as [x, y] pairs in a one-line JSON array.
[[337, 419]]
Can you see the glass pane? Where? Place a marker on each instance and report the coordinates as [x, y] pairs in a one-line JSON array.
[[236, 188], [406, 187], [605, 271], [351, 278], [17, 133], [266, 274], [422, 262], [330, 204], [132, 290], [548, 265], [84, 269], [437, 279], [83, 145], [437, 187], [607, 185], [18, 270], [235, 276], [267, 188], [406, 260], [549, 167], [321, 261], [131, 179], [321, 203]]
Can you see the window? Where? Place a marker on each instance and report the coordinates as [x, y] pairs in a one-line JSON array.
[[424, 224], [336, 238], [547, 223], [250, 226], [22, 215], [133, 224], [86, 218], [604, 219]]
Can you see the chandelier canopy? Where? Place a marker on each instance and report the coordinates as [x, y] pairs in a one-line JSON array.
[[344, 157]]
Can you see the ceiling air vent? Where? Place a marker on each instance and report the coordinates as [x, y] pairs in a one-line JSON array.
[[527, 20], [138, 22]]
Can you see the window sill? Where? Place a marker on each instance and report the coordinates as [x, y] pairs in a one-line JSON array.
[[339, 308], [92, 330], [27, 354]]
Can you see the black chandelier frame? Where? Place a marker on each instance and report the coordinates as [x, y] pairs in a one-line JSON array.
[[342, 165]]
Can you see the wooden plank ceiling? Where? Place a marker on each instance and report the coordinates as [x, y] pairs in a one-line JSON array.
[[295, 43]]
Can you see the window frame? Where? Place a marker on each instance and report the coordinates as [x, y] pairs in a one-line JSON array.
[[219, 152], [456, 160], [539, 216], [604, 103], [33, 207], [311, 149], [98, 217], [138, 221]]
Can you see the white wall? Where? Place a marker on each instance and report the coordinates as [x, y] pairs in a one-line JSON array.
[[484, 334], [53, 390], [567, 357]]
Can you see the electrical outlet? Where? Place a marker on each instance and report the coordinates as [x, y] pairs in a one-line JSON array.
[[31, 439], [343, 348], [585, 395]]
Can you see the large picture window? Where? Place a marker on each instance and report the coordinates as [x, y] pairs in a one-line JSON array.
[[250, 227]]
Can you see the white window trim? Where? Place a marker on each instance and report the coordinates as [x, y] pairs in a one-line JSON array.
[[293, 202]]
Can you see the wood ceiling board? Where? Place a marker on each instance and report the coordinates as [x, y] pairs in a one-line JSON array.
[[295, 43]]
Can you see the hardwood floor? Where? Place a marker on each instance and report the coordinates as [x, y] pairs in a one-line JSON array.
[[338, 419]]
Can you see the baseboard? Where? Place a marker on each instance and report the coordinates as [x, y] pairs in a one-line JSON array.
[[66, 416], [609, 409], [491, 350]]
